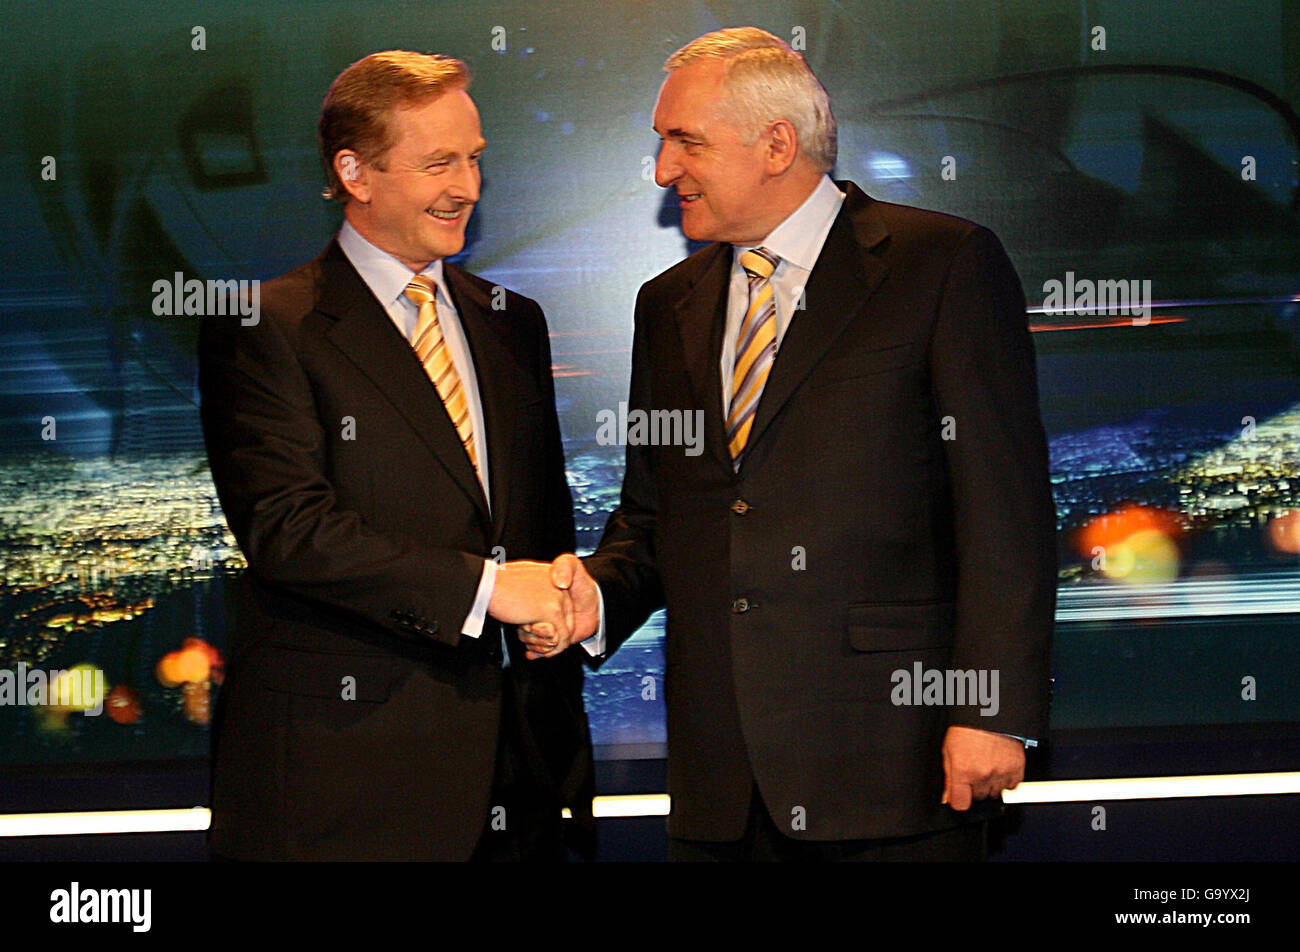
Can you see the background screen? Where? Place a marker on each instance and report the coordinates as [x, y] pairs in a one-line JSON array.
[[1102, 141]]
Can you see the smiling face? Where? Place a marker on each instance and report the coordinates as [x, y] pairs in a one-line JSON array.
[[416, 206], [720, 181]]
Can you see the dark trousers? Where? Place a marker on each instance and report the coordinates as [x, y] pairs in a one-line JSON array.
[[523, 823], [763, 842]]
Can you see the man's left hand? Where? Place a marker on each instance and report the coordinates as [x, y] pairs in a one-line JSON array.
[[979, 764]]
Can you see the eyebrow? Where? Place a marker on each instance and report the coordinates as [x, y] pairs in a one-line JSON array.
[[678, 133], [449, 153]]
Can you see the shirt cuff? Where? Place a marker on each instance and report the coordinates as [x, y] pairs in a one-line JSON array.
[[595, 645], [473, 626], [1027, 741]]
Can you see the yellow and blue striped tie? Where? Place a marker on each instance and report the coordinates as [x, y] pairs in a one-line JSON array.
[[755, 350], [432, 350]]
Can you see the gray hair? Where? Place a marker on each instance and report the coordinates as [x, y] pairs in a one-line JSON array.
[[766, 80]]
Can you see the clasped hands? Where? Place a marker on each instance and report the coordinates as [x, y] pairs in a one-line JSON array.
[[556, 604]]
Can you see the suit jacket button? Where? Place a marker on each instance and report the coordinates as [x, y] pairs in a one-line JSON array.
[[740, 507], [741, 605]]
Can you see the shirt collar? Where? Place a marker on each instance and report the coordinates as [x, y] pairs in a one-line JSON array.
[[800, 237], [386, 277]]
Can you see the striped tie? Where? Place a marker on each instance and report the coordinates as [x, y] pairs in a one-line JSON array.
[[432, 350], [755, 349]]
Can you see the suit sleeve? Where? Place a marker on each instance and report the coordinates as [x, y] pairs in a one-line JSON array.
[[985, 385], [624, 563], [559, 500], [267, 452]]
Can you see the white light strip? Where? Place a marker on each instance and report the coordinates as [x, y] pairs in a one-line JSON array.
[[1153, 788], [657, 804], [641, 804], [105, 821]]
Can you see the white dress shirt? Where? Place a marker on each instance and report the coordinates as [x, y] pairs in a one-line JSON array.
[[387, 279], [797, 241]]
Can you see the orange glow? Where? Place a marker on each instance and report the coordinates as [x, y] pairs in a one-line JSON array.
[[1284, 532], [1134, 545], [1115, 527], [196, 701], [122, 705], [196, 661], [168, 671], [1094, 325]]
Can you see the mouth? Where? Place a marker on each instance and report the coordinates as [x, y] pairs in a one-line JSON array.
[[688, 199], [450, 217]]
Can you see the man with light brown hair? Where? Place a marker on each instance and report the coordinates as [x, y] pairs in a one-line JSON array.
[[873, 498], [375, 438]]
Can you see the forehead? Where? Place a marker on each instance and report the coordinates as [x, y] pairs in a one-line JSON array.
[[690, 96], [449, 120]]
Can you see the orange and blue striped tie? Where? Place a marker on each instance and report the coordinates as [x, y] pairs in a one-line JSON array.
[[432, 350], [755, 350]]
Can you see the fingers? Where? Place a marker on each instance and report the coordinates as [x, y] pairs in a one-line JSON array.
[[540, 640], [979, 764], [563, 570], [569, 573]]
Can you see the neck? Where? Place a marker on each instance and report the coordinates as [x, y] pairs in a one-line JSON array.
[[785, 197], [356, 216]]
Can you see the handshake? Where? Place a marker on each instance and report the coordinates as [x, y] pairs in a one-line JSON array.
[[556, 604]]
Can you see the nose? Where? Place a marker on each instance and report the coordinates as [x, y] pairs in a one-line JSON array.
[[468, 180], [667, 167]]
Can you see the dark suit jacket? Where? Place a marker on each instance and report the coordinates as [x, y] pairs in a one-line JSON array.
[[855, 540], [365, 528]]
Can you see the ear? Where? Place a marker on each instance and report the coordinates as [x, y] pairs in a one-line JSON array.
[[782, 146], [354, 173]]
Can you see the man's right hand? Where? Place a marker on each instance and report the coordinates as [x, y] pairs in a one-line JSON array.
[[569, 575], [524, 594]]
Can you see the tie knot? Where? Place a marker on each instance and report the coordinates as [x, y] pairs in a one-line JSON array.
[[759, 263], [422, 290]]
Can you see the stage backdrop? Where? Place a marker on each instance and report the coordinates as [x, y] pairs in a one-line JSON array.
[[1150, 143]]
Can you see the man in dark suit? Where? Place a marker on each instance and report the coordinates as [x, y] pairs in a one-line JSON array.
[[380, 438], [872, 503]]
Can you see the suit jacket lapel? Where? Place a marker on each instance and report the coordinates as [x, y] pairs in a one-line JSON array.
[[845, 274], [365, 334], [495, 369], [701, 321]]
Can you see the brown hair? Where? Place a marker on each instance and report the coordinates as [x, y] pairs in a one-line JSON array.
[[361, 99]]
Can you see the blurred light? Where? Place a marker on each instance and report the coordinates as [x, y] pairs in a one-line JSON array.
[[1144, 558], [122, 705], [1137, 542], [887, 166], [81, 685], [1284, 532], [167, 670], [196, 702]]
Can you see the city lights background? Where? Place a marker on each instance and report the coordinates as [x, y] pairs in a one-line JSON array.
[[1174, 443]]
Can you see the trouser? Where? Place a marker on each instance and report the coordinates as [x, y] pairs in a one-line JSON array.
[[763, 842], [523, 822]]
